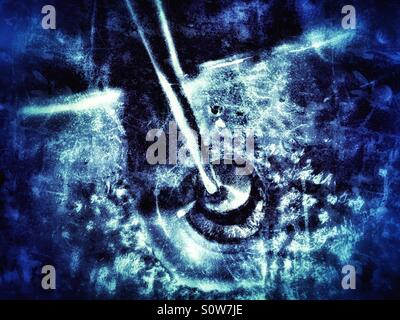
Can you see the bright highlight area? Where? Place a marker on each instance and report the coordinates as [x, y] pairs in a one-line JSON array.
[[76, 103]]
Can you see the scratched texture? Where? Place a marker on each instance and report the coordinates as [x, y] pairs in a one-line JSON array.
[[76, 191]]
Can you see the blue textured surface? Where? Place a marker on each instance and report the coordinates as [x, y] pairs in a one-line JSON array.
[[76, 192]]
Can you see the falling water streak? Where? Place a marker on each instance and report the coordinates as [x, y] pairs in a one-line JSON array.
[[170, 43], [93, 25], [92, 35], [176, 108]]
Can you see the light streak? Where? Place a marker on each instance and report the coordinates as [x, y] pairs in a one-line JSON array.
[[75, 103]]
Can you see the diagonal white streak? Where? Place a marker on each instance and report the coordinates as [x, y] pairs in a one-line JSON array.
[[170, 43], [176, 108]]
